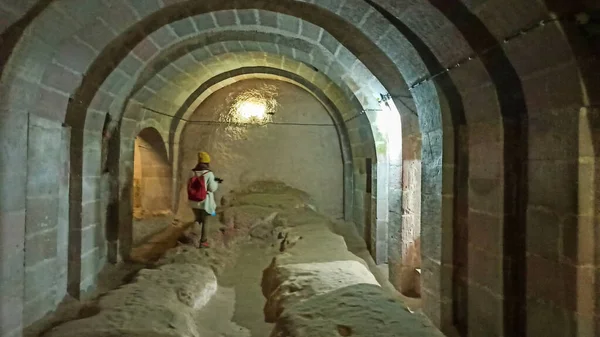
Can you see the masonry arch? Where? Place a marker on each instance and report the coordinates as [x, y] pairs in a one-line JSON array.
[[248, 152], [488, 98], [88, 103], [373, 126], [298, 70], [137, 111], [236, 75], [383, 221]]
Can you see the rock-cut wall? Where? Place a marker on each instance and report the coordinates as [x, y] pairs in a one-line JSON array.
[[301, 148]]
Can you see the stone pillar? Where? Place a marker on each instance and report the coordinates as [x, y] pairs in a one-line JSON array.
[[112, 198], [175, 180], [563, 229], [581, 234], [380, 231], [431, 230], [405, 247], [125, 223], [13, 182], [436, 151], [46, 230], [92, 232]]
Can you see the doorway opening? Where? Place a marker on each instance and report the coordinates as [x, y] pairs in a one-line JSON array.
[[152, 177]]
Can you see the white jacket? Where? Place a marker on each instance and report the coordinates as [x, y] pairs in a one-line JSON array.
[[209, 204]]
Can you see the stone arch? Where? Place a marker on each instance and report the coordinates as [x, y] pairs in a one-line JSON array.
[[134, 110], [135, 114], [216, 83], [81, 101], [163, 86], [84, 99], [311, 74], [116, 83], [101, 101], [296, 33], [473, 90], [203, 129], [382, 195], [140, 115], [498, 80], [348, 114]]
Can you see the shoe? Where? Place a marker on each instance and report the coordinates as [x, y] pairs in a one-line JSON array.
[[204, 244]]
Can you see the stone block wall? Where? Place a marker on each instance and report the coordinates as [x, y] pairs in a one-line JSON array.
[[88, 234], [13, 179], [411, 192], [363, 152], [561, 239], [411, 205], [122, 234], [46, 220], [137, 177], [34, 222], [527, 161], [406, 241]]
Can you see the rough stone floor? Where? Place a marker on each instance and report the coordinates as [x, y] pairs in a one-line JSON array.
[[144, 229], [276, 268]]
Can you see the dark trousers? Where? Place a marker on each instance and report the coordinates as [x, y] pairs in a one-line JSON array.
[[201, 220]]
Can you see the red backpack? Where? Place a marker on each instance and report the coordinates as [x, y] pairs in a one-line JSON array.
[[197, 187]]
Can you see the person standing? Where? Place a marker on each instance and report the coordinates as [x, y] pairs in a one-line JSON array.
[[202, 184]]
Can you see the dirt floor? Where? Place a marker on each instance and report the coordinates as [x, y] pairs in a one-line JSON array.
[[145, 228], [245, 238], [245, 278]]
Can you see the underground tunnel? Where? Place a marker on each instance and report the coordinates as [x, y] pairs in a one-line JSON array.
[[389, 168]]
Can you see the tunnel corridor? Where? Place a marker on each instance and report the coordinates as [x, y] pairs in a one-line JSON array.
[[390, 167]]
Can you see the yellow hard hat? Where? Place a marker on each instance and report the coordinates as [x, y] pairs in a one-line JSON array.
[[203, 157]]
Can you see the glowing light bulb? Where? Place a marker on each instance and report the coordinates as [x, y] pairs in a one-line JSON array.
[[252, 110]]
